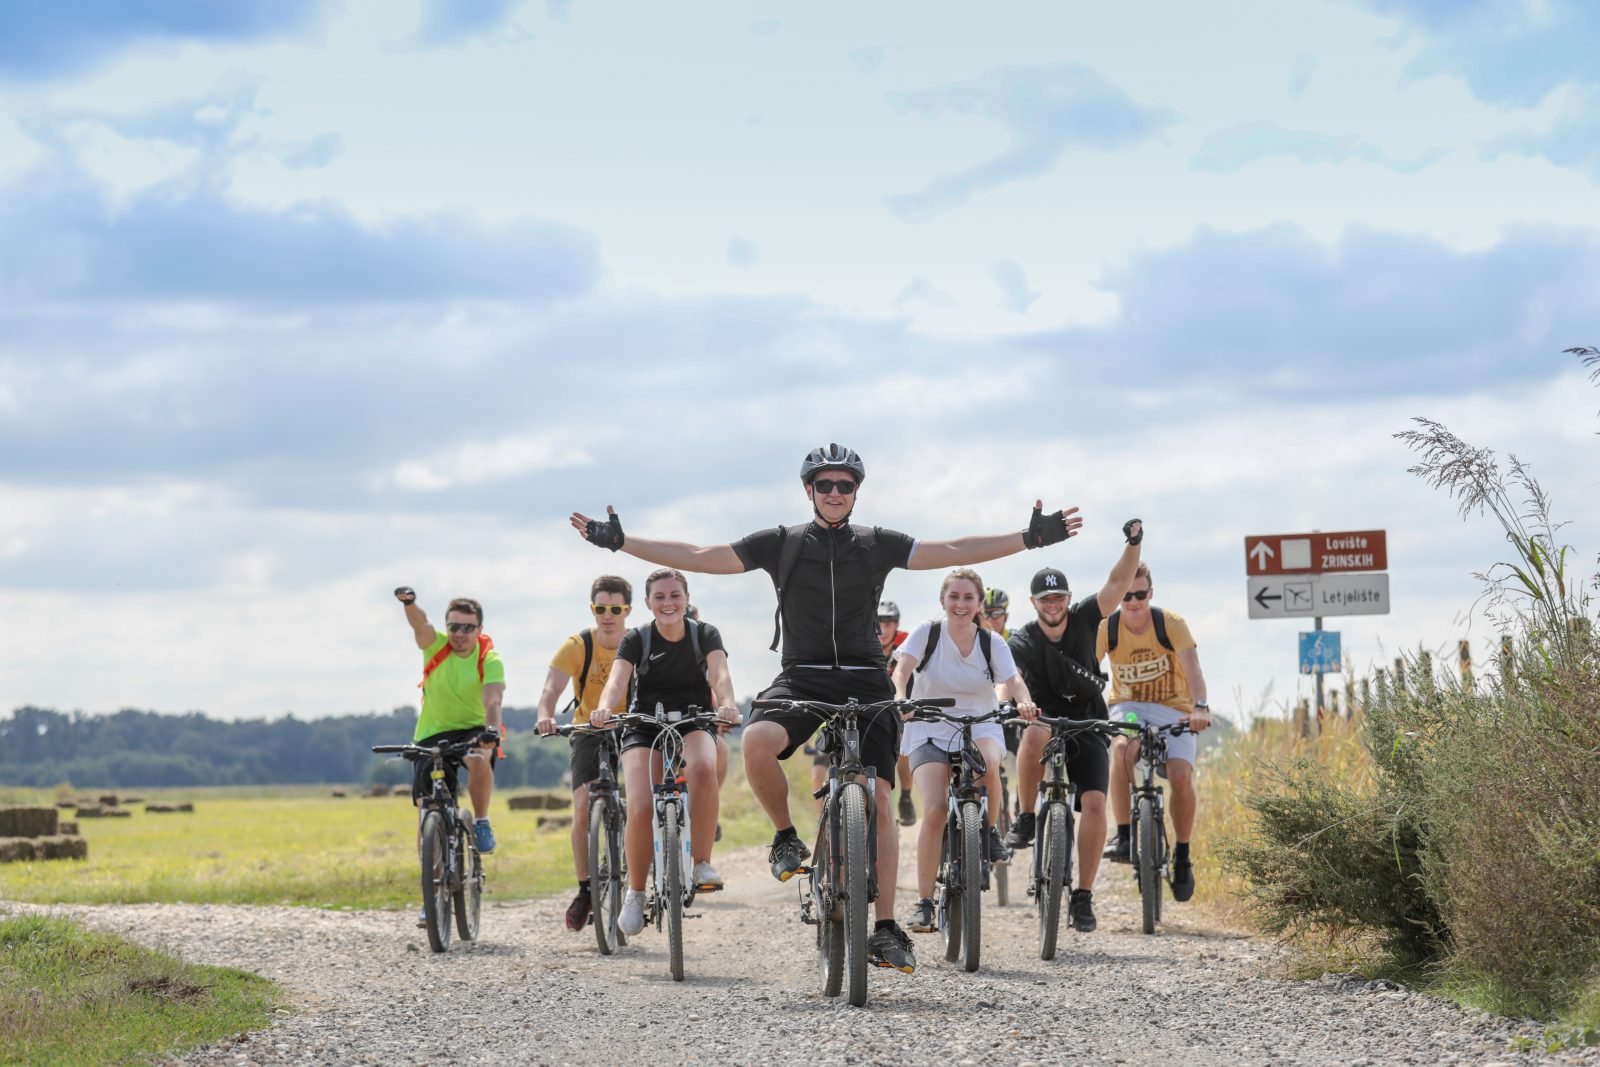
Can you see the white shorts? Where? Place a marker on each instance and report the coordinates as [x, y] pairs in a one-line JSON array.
[[1181, 747]]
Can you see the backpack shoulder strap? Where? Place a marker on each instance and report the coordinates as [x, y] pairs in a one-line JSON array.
[[984, 637], [433, 664], [588, 660], [933, 646], [1160, 620], [694, 643], [1111, 630], [644, 650], [790, 543]]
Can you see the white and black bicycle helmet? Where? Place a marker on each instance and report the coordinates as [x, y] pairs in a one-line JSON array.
[[833, 457], [888, 609]]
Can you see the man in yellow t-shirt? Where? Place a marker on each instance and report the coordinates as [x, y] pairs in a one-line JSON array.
[[610, 600], [463, 686], [1156, 682]]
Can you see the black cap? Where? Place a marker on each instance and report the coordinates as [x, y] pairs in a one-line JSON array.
[[1048, 580]]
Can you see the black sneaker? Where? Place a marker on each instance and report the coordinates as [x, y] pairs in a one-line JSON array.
[[578, 911], [1119, 851], [908, 810], [788, 857], [890, 947], [1182, 880], [1080, 909], [998, 853], [1021, 835], [923, 920]]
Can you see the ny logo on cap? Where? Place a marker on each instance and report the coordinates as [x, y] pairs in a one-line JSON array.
[[1050, 580]]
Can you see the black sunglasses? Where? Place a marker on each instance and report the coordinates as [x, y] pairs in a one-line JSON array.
[[461, 627], [615, 609], [828, 485], [1137, 594]]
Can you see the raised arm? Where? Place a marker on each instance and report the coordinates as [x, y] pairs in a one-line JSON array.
[[416, 618], [699, 559], [1042, 530], [1111, 594]]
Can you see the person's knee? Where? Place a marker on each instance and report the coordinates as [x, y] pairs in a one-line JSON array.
[[1093, 805], [1180, 773], [763, 741]]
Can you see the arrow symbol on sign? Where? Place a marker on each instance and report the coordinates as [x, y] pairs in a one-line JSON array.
[[1262, 598], [1261, 553]]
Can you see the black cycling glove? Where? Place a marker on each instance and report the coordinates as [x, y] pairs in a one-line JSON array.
[[1045, 529], [406, 595], [606, 534], [489, 736], [1127, 531]]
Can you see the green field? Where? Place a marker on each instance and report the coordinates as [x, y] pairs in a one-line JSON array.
[[300, 845]]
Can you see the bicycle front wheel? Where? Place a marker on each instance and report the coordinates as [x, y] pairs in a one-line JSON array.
[[1055, 849], [605, 875], [672, 888], [949, 888], [468, 897], [972, 844], [824, 907], [436, 880], [853, 834], [1145, 865]]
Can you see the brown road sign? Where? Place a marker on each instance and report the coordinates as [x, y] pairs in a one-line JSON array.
[[1316, 553]]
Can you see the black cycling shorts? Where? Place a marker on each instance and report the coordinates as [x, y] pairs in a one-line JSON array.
[[586, 749], [1088, 765], [645, 736], [880, 734], [421, 769]]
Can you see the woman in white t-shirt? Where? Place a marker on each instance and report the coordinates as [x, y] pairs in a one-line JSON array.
[[958, 669]]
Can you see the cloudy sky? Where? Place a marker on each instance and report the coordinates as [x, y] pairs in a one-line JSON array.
[[303, 300]]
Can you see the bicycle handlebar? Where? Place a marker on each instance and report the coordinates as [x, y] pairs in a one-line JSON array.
[[449, 748], [876, 706], [1103, 727], [933, 715]]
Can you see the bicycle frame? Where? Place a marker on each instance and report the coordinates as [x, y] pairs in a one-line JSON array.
[[844, 765]]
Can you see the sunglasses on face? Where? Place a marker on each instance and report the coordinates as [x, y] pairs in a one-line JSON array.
[[615, 609], [995, 614], [828, 485], [461, 627], [1137, 594]]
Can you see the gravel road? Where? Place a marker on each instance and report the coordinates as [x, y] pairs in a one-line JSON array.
[[366, 989]]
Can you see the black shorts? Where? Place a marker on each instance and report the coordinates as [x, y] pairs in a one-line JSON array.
[[422, 769], [586, 749], [1088, 765], [645, 736], [880, 734]]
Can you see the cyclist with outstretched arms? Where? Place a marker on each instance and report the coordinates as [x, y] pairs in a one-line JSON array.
[[585, 660], [955, 657], [677, 663], [1056, 655], [1155, 680], [826, 615], [463, 685]]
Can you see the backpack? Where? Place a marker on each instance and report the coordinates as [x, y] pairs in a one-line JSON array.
[[791, 540], [693, 626], [485, 643], [1155, 616], [582, 679], [933, 643]]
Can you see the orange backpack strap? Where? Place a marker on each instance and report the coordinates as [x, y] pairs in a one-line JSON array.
[[485, 643]]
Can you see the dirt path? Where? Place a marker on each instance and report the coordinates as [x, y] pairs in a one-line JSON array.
[[367, 990]]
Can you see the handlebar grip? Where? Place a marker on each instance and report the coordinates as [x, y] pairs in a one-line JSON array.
[[768, 705], [936, 702], [390, 748]]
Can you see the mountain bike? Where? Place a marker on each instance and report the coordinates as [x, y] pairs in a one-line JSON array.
[[671, 886], [452, 870], [1051, 876], [964, 864], [1148, 829], [843, 877], [608, 817]]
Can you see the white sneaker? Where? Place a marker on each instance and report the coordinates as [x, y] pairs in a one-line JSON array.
[[631, 921], [706, 876]]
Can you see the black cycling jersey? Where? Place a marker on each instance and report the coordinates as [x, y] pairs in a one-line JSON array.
[[674, 678], [830, 609], [1050, 679]]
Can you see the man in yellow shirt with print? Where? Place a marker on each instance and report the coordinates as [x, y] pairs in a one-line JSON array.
[[1155, 680], [463, 684], [585, 660]]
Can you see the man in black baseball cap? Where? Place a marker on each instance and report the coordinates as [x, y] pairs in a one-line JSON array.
[[1055, 654]]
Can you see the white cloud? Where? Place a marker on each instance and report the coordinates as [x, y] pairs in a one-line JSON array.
[[484, 462]]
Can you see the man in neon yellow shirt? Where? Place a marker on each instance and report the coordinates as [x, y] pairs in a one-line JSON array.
[[463, 684]]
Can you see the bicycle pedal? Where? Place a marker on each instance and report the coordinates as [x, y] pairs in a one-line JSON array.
[[705, 887]]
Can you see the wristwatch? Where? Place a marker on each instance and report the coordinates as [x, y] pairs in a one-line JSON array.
[[1201, 705]]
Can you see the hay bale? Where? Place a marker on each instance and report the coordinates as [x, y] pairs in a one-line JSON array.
[[17, 849], [530, 803], [99, 812], [339, 793], [68, 827], [108, 800], [28, 822], [131, 800], [66, 803], [61, 847], [167, 809], [400, 791], [86, 802], [557, 802], [377, 791], [552, 822]]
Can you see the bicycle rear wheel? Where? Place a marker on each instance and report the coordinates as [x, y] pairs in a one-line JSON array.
[[605, 876], [436, 880], [468, 898], [672, 879], [1055, 850], [1145, 865], [853, 831], [971, 869]]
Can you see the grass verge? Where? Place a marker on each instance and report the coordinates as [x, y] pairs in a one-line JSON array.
[[74, 996]]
